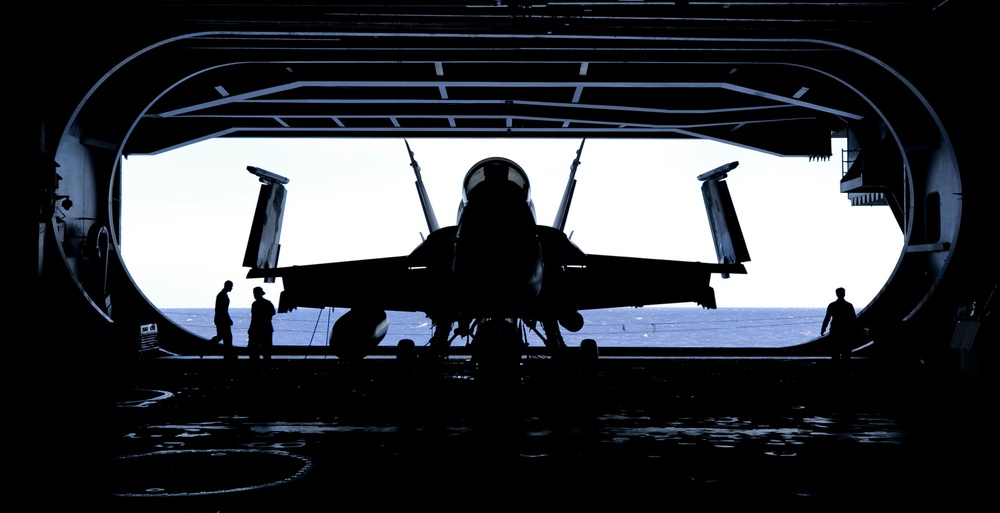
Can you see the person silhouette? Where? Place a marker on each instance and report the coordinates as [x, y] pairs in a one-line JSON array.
[[843, 323], [261, 332], [224, 323]]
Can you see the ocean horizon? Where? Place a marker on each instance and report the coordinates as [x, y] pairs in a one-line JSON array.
[[651, 327]]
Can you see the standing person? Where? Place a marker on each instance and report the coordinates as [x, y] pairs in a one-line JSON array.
[[260, 334], [224, 323], [843, 323]]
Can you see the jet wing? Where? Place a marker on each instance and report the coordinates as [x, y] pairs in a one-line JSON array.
[[612, 281], [730, 246], [265, 231], [384, 283]]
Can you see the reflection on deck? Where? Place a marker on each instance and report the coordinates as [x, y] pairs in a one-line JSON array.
[[298, 432]]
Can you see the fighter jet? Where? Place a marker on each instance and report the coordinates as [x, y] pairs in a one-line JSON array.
[[493, 277]]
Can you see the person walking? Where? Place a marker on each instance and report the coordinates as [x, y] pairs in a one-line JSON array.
[[223, 322], [261, 332], [843, 323]]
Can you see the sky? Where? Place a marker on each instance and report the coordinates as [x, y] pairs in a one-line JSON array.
[[186, 213]]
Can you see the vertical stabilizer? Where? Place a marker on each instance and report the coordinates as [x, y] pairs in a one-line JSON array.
[[563, 213], [425, 202]]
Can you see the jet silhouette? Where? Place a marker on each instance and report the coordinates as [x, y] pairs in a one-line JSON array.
[[495, 274]]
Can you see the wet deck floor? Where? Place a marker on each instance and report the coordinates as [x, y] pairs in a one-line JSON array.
[[310, 434]]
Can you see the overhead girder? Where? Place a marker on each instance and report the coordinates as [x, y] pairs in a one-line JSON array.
[[438, 89]]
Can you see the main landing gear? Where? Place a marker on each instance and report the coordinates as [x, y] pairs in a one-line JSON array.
[[497, 347]]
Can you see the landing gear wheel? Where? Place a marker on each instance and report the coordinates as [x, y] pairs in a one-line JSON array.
[[496, 351], [588, 351]]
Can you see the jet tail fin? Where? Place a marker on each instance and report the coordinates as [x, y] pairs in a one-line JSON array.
[[425, 202], [730, 247], [263, 244], [561, 215]]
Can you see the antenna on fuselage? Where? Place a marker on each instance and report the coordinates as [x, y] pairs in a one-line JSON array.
[[425, 202]]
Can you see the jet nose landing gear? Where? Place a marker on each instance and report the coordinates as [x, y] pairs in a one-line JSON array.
[[497, 348]]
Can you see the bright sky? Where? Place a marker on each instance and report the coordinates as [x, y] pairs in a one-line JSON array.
[[186, 213]]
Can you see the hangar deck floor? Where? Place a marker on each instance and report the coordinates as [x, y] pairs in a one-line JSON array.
[[297, 434]]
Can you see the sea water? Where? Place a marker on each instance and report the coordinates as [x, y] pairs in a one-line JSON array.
[[654, 327]]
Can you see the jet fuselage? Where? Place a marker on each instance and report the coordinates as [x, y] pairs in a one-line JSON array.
[[497, 256]]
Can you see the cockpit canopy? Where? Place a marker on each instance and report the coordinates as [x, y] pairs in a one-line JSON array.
[[496, 173], [495, 168]]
